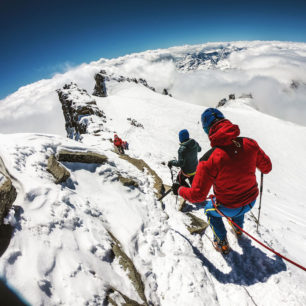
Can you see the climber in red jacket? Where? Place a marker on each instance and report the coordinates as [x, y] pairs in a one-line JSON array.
[[119, 144], [229, 166]]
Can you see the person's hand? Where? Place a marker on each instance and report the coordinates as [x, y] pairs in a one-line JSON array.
[[169, 164], [175, 187]]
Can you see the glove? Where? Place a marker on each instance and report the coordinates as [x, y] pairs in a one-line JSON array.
[[175, 187], [169, 164]]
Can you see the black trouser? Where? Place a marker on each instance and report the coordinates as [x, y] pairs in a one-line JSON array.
[[120, 149], [181, 178]]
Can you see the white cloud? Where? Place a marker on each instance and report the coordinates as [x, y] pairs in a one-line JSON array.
[[264, 69]]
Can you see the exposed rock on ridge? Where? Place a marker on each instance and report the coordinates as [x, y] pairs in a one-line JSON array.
[[100, 88], [8, 195], [128, 265], [102, 77], [60, 173], [81, 157], [142, 165], [80, 111]]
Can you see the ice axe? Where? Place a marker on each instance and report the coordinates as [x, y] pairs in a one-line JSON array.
[[164, 195]]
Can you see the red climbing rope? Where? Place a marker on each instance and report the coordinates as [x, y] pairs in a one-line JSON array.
[[212, 197]]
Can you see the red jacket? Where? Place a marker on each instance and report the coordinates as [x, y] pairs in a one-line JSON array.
[[229, 167], [118, 142]]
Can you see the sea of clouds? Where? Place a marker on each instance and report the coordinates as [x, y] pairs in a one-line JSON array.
[[264, 69]]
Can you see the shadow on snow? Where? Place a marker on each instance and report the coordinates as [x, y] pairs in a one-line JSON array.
[[250, 267]]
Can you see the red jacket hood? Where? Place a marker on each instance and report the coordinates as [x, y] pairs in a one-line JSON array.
[[223, 132]]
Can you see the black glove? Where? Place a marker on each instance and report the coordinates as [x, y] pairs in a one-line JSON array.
[[169, 164], [175, 187]]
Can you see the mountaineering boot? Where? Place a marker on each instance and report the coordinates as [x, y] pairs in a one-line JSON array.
[[236, 230], [222, 246]]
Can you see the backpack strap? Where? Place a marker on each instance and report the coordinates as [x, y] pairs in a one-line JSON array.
[[206, 156]]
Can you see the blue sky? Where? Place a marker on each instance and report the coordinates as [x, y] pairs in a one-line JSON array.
[[42, 37]]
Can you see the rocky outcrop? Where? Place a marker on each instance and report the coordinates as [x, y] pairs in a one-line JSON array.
[[221, 102], [102, 78], [197, 225], [294, 84], [8, 195], [81, 157], [126, 181], [100, 88], [134, 122], [60, 173], [166, 92], [114, 294], [6, 232], [129, 267], [80, 111], [142, 165]]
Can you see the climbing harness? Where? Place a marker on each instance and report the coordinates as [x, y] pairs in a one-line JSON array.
[[212, 197]]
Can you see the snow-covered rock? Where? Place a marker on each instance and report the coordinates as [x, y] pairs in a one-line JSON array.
[[80, 111], [60, 173]]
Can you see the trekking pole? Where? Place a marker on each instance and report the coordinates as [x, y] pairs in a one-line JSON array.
[[260, 197], [172, 179]]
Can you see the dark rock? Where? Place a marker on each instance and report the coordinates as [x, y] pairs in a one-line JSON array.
[[117, 298], [129, 266], [102, 77], [6, 232], [142, 165], [80, 110], [294, 84], [165, 92], [126, 181], [135, 123], [231, 96], [144, 83], [197, 226], [60, 173], [81, 157], [100, 88], [8, 195], [222, 102]]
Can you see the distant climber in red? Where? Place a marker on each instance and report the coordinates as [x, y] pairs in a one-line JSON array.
[[118, 144]]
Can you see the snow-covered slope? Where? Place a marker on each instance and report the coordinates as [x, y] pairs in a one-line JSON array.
[[61, 249]]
